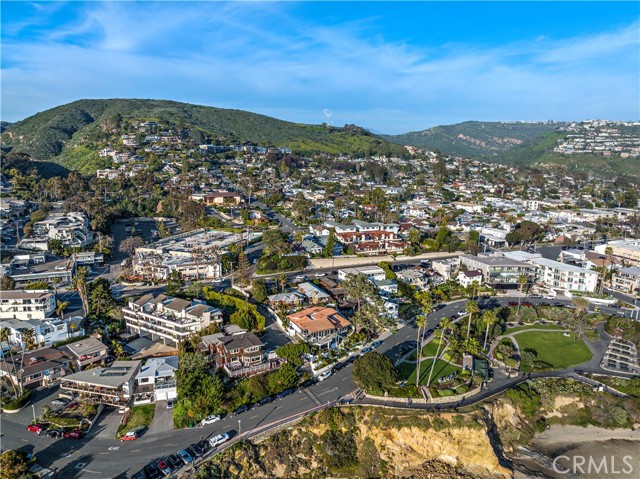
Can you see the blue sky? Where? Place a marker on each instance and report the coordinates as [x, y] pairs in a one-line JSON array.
[[392, 67]]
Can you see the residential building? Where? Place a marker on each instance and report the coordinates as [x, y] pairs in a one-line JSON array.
[[445, 267], [239, 354], [87, 351], [319, 325], [469, 277], [386, 286], [498, 271], [313, 293], [627, 280], [222, 198], [25, 269], [624, 252], [292, 298], [71, 229], [156, 380], [168, 319], [27, 304], [112, 385], [371, 272], [46, 332], [40, 367], [413, 277], [564, 276]]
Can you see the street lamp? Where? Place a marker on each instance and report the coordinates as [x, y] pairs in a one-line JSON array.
[[239, 427]]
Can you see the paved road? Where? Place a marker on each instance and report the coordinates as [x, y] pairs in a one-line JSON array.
[[100, 455]]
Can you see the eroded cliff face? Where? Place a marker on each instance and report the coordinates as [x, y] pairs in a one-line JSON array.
[[368, 443]]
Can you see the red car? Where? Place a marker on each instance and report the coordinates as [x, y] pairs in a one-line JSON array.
[[130, 436], [73, 405], [513, 303], [35, 428], [77, 434]]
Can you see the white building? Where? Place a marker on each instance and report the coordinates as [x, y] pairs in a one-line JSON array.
[[45, 331], [157, 379], [71, 229], [565, 277], [467, 278], [27, 304], [168, 319], [371, 272]]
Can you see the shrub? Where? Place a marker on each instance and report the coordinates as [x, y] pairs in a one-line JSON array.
[[16, 403]]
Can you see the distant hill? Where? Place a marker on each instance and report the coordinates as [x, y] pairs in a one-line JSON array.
[[518, 144], [68, 134], [4, 125], [474, 139]]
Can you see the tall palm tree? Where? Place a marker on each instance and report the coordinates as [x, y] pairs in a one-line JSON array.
[[61, 306], [29, 338], [489, 318], [4, 338], [522, 280], [421, 321], [471, 308]]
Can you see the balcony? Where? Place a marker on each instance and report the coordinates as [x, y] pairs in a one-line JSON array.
[[238, 369]]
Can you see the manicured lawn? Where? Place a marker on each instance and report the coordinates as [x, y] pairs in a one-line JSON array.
[[554, 348], [140, 416], [408, 371], [534, 326], [431, 348]]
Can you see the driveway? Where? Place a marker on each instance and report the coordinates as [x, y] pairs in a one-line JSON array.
[[107, 424], [162, 419]]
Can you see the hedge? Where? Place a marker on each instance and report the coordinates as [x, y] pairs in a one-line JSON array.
[[16, 403], [231, 304]]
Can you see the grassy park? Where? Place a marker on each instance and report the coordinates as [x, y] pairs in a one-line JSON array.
[[554, 348]]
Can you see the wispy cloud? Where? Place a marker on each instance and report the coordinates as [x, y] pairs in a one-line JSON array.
[[267, 58]]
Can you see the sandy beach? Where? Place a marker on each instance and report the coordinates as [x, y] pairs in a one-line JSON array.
[[582, 453]]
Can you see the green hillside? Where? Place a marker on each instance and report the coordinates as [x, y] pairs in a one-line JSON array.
[[474, 139], [69, 134]]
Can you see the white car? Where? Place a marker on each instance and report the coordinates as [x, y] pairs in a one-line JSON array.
[[324, 375], [210, 419], [319, 275], [219, 439], [300, 278]]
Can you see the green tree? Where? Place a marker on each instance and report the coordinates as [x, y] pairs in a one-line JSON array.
[[471, 308], [327, 251], [80, 283], [15, 465], [244, 319], [29, 338], [284, 378], [259, 291], [100, 299], [375, 373], [244, 269], [61, 306], [37, 285], [175, 283], [421, 322], [7, 283], [293, 352], [358, 288], [489, 318]]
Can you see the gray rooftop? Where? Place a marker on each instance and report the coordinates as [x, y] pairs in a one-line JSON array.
[[114, 376]]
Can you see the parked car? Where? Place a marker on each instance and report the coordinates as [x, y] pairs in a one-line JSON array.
[[308, 382], [300, 278], [319, 275], [265, 400], [164, 467], [375, 344], [130, 436], [151, 471], [73, 405], [77, 434], [513, 303], [241, 409], [195, 450], [461, 313], [35, 428], [285, 393], [175, 462], [185, 456], [170, 403], [365, 351], [324, 375], [339, 366], [60, 402], [219, 439], [55, 433], [210, 419]]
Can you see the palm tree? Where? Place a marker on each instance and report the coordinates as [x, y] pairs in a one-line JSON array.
[[489, 318], [4, 338], [522, 280], [609, 252], [61, 306], [282, 279], [471, 346], [29, 338], [471, 308], [421, 321]]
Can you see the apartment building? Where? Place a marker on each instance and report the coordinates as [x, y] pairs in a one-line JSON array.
[[371, 272], [627, 280], [45, 332], [498, 271], [27, 304], [167, 319], [112, 385], [623, 252], [71, 229], [564, 276]]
